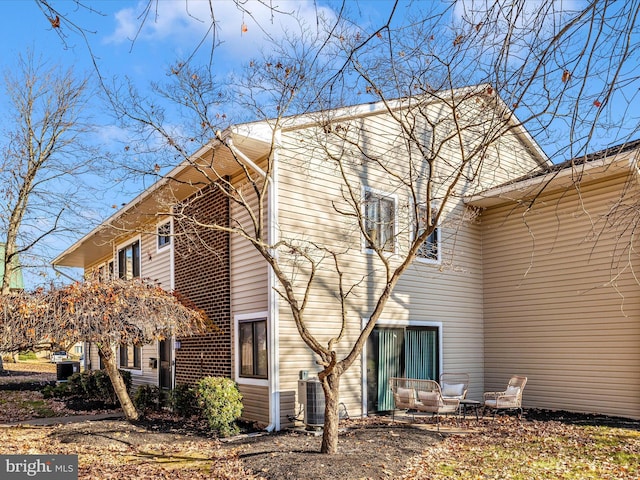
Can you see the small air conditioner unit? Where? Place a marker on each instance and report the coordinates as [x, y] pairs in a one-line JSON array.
[[65, 369], [311, 396]]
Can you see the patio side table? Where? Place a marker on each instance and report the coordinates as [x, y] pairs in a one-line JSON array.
[[464, 404]]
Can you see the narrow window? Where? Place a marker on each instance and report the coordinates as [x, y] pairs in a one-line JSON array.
[[130, 356], [137, 356], [129, 261], [379, 221], [253, 348], [164, 235], [430, 248], [124, 356]]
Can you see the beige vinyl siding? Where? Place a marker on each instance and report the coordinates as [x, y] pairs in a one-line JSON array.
[[449, 293], [452, 296], [287, 404], [145, 375], [249, 290], [155, 264], [94, 358], [255, 402], [561, 306], [249, 295]]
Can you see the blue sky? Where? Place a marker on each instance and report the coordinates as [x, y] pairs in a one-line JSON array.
[[123, 45], [114, 24], [122, 48]]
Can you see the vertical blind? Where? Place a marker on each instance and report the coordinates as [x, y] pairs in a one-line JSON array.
[[410, 353]]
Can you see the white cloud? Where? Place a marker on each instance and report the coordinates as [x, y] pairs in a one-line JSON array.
[[184, 23]]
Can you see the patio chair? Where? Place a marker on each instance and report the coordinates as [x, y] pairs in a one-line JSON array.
[[454, 385], [430, 400], [509, 399], [404, 394]]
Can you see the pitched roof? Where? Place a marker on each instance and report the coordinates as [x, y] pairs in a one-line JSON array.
[[610, 161]]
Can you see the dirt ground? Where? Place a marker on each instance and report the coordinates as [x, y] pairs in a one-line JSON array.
[[365, 451], [372, 448]]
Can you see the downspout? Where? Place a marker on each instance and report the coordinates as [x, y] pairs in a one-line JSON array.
[[272, 320], [55, 268], [229, 143]]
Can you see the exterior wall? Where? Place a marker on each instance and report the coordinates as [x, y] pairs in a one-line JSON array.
[[155, 264], [144, 376], [255, 404], [249, 296], [202, 276], [448, 293], [561, 303]]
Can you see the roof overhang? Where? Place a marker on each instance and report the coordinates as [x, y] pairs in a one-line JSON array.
[[211, 161], [594, 170]]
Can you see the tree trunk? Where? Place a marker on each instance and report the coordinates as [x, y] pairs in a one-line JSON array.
[[119, 386], [331, 387]]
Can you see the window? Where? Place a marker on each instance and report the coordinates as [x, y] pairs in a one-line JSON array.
[[104, 272], [429, 249], [129, 261], [164, 235], [379, 221], [253, 348], [131, 356]]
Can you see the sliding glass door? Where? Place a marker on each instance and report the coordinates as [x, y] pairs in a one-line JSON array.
[[410, 352]]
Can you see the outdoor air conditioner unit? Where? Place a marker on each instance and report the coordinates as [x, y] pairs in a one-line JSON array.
[[311, 396], [65, 369]]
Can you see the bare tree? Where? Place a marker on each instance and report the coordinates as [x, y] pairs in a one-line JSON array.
[[114, 313], [442, 140], [45, 155], [21, 322], [67, 27]]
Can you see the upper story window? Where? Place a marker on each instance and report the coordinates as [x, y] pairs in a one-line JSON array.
[[164, 235], [430, 249], [129, 261], [379, 221]]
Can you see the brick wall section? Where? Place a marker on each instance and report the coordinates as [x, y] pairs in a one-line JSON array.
[[202, 275]]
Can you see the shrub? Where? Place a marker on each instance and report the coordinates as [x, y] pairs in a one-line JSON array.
[[220, 402], [183, 400], [147, 397], [90, 384]]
